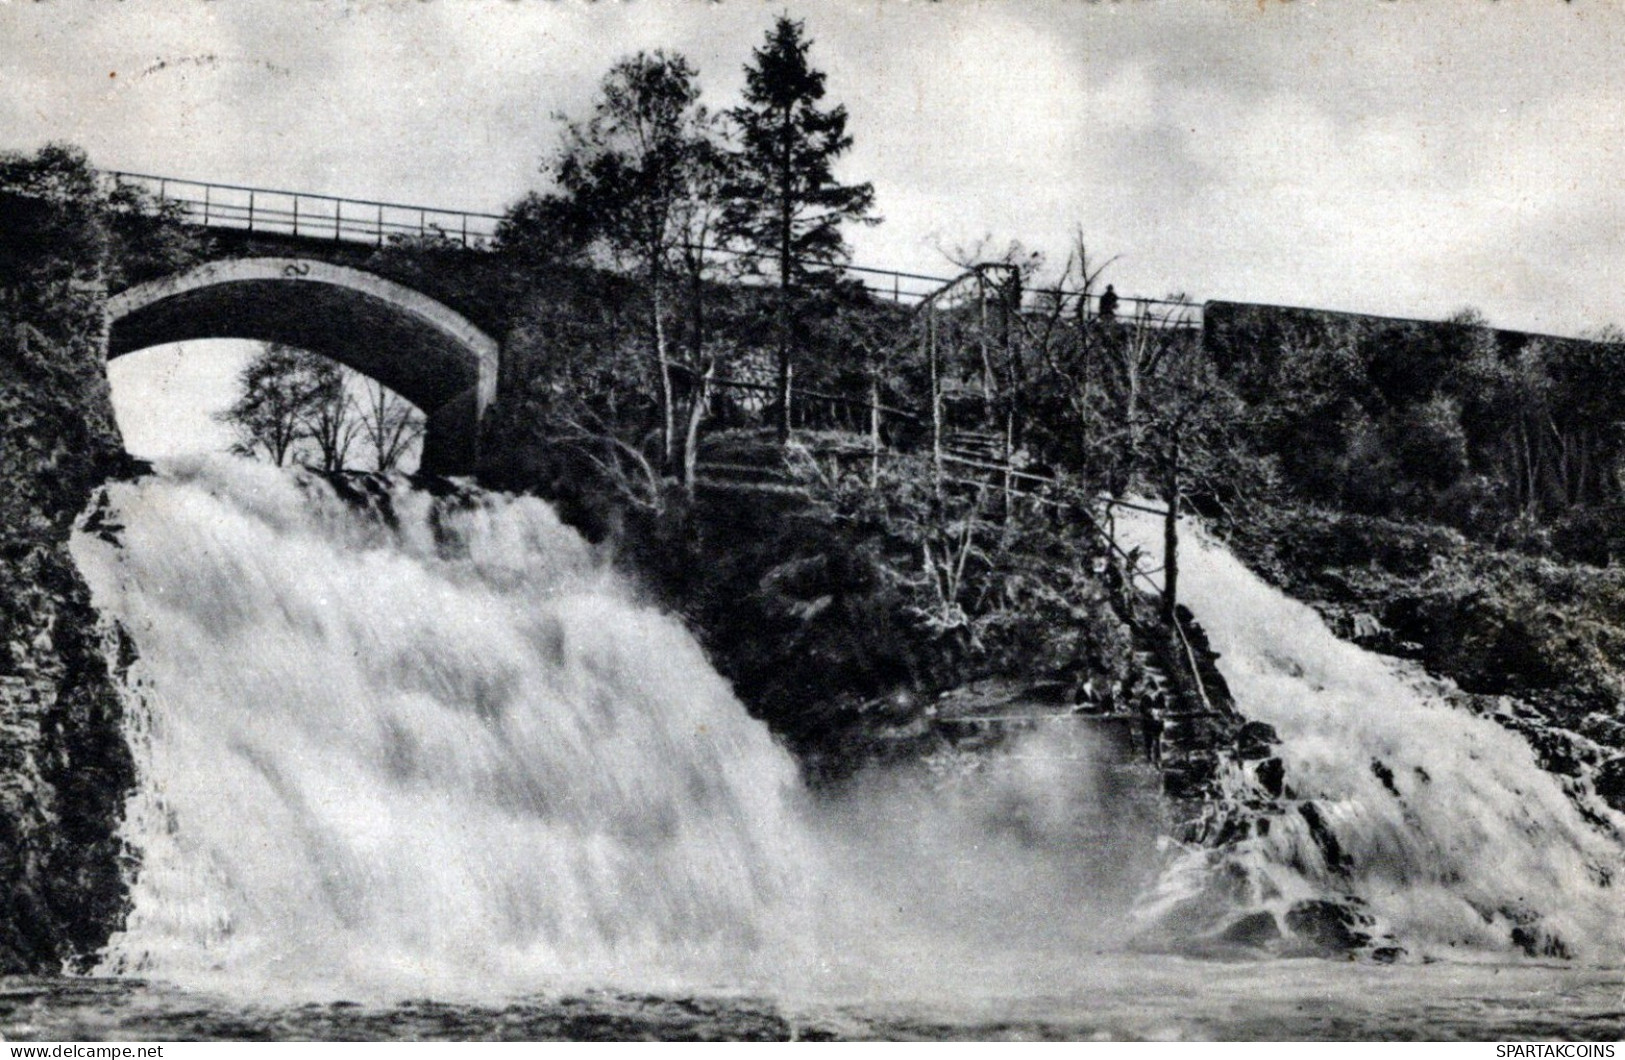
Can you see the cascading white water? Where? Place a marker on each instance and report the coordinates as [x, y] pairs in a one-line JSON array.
[[438, 746], [435, 747], [1454, 836]]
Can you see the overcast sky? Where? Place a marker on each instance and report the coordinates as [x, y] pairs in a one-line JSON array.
[[1398, 158]]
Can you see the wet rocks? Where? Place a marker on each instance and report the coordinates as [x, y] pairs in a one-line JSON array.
[[1336, 927], [1331, 851], [64, 766], [1609, 782], [1339, 926], [1257, 930], [1270, 774], [1256, 740]]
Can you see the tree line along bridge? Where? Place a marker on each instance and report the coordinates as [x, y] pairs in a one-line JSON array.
[[302, 269], [316, 271]]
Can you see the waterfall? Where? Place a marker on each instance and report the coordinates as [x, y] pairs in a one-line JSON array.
[[393, 743], [1440, 821], [398, 744], [435, 737]]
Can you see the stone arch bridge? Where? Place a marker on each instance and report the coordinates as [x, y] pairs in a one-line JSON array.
[[321, 273], [417, 346]]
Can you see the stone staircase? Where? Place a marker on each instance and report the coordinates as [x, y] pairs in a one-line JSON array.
[[981, 447], [745, 462]]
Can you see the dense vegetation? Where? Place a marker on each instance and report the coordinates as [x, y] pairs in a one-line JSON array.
[[671, 305], [1512, 439], [686, 311]]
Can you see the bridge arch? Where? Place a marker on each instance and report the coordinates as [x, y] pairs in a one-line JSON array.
[[421, 349]]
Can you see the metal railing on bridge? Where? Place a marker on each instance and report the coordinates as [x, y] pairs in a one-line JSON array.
[[305, 215], [916, 288]]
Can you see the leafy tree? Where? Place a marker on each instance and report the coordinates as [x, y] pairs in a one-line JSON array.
[[122, 228], [783, 199], [150, 237], [541, 230], [640, 176], [301, 406], [54, 217], [284, 391], [331, 423]]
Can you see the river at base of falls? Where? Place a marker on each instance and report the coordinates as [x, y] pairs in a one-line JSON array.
[[1127, 997], [400, 748]]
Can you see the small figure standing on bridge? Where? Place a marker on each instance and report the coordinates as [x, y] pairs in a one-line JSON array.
[[1108, 304]]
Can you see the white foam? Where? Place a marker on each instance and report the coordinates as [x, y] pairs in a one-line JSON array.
[[1479, 838], [447, 754]]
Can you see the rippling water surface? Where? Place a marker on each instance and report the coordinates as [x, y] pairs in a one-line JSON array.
[[1132, 997]]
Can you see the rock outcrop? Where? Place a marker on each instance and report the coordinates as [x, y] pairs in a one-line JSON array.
[[65, 768]]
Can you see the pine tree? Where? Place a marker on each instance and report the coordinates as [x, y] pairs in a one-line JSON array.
[[784, 199]]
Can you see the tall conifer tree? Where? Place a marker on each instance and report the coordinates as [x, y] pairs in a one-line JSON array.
[[783, 198]]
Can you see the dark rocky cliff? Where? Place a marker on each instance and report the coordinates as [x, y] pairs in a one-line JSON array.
[[65, 769]]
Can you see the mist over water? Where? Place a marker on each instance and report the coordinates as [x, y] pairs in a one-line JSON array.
[[393, 745], [995, 875], [1450, 832], [396, 745]]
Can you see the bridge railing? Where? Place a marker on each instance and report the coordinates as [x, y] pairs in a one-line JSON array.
[[310, 216], [307, 216], [915, 288]]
